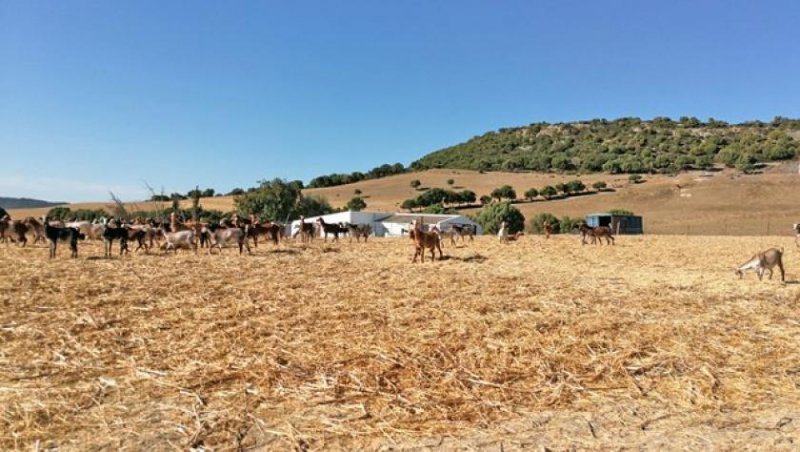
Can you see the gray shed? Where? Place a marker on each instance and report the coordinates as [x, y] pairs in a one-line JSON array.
[[619, 224]]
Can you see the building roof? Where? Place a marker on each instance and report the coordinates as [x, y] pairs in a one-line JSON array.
[[406, 218], [607, 214], [376, 216]]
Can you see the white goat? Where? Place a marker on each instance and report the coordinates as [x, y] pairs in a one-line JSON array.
[[503, 232], [796, 228], [221, 237], [180, 239]]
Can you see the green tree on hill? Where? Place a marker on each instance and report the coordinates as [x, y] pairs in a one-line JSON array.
[[356, 204], [276, 200], [492, 215], [548, 191], [56, 213], [467, 197], [537, 223], [506, 191], [531, 194], [312, 206], [409, 204], [575, 186]]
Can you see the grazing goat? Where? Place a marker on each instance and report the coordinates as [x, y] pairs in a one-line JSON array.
[[272, 230], [18, 230], [92, 230], [504, 235], [358, 231], [514, 237], [330, 228], [464, 230], [448, 234], [425, 240], [796, 228], [4, 223], [37, 228], [306, 230], [597, 234], [115, 232], [152, 233], [548, 229], [763, 262], [601, 232], [55, 234], [220, 237], [142, 234], [180, 239]]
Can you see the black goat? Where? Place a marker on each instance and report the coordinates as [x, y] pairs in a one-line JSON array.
[[55, 234], [115, 233]]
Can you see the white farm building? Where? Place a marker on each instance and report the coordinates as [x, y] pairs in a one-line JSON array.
[[391, 224]]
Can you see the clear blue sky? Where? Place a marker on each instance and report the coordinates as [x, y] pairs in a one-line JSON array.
[[99, 95]]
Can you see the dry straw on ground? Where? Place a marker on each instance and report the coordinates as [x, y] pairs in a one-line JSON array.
[[652, 342]]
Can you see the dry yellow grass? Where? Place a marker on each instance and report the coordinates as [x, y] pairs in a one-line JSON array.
[[548, 343], [725, 204]]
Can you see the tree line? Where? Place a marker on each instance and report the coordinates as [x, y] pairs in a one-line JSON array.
[[331, 180]]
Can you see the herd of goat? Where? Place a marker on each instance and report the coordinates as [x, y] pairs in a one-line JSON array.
[[240, 231], [167, 236]]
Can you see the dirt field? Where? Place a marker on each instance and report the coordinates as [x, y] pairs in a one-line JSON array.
[[647, 344], [694, 203]]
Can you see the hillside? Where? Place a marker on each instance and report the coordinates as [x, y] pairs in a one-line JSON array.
[[711, 203], [25, 203], [627, 145]]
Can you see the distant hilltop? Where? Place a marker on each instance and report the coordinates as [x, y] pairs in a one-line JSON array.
[[619, 146], [25, 203], [626, 145]]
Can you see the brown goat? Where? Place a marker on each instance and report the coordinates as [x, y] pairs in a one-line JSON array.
[[597, 234], [271, 230], [425, 240], [548, 229], [764, 262], [37, 228], [305, 230]]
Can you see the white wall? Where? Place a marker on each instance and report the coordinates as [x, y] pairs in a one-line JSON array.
[[382, 229], [393, 229], [348, 217]]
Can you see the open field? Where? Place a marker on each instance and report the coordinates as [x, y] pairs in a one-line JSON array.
[[695, 203], [344, 346]]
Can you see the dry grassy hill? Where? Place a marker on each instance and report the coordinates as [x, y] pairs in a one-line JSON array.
[[724, 202]]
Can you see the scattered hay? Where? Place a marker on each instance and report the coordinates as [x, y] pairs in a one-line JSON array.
[[350, 345]]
